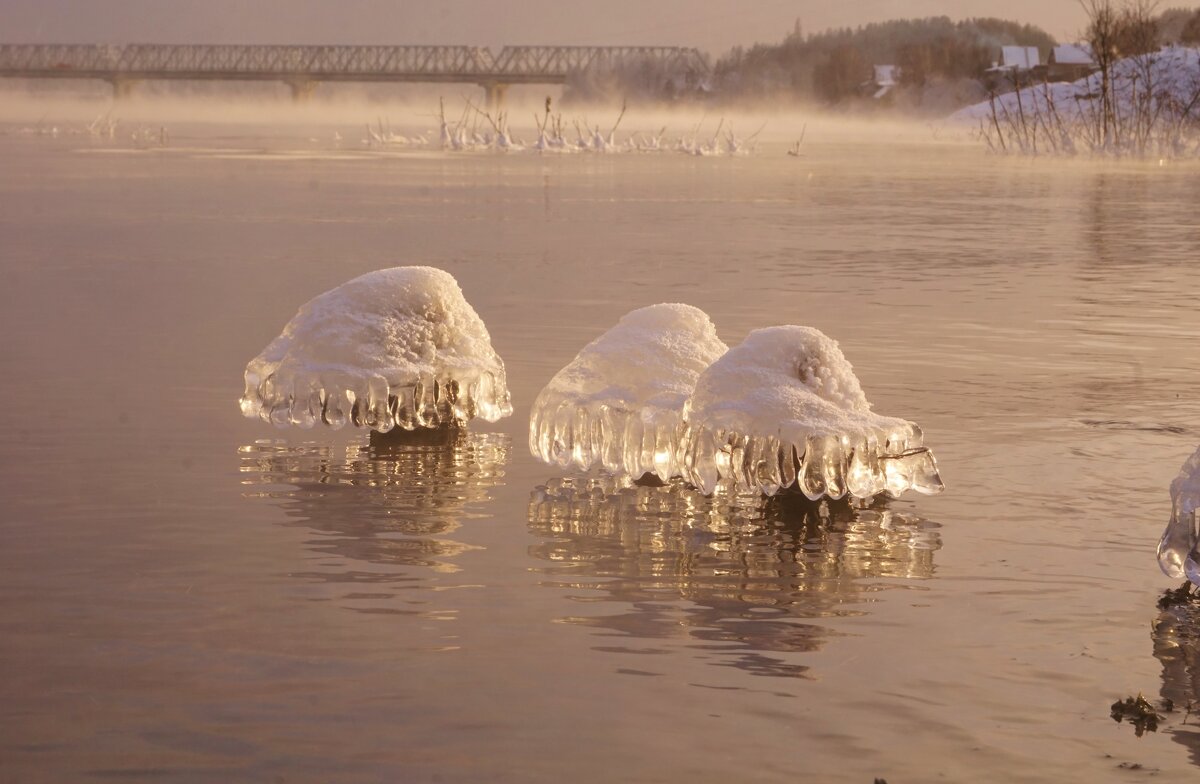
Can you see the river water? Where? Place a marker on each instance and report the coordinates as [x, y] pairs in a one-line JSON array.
[[190, 596]]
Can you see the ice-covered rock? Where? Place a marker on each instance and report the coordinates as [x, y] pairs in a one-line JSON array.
[[619, 403], [1179, 549], [785, 409], [397, 347]]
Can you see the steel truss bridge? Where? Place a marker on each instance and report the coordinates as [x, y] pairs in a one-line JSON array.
[[303, 67]]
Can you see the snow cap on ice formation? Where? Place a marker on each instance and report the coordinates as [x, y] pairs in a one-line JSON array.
[[1178, 551], [619, 402], [397, 347], [784, 408]]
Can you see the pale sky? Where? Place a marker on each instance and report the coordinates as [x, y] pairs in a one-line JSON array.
[[714, 25]]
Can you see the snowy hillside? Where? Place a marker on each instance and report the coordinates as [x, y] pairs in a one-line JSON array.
[[1154, 107]]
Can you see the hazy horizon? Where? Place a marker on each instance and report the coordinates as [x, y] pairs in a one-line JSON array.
[[712, 25]]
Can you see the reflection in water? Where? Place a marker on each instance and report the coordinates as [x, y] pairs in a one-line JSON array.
[[393, 505], [731, 572], [1124, 215], [1177, 647]]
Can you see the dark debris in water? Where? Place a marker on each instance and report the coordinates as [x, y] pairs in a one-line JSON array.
[[1134, 766], [1124, 424], [1139, 712], [1176, 597]]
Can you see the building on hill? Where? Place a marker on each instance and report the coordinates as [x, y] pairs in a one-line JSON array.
[[885, 79], [1018, 65], [1018, 58], [1070, 62]]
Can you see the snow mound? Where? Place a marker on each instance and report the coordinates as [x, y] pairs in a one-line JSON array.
[[784, 408], [1173, 74], [619, 403], [1178, 551], [397, 347]]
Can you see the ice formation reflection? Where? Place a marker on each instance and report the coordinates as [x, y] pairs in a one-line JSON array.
[[394, 506], [784, 409], [1177, 647], [1179, 548], [738, 577], [620, 402], [394, 348]]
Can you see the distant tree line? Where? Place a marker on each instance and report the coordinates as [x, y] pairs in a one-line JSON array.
[[1179, 26], [832, 66], [637, 80], [835, 67]]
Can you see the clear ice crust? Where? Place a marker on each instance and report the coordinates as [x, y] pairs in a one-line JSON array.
[[397, 347], [784, 409], [1179, 549], [620, 402]]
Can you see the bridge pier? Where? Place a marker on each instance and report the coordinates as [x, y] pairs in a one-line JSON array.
[[122, 88], [493, 95], [302, 89]]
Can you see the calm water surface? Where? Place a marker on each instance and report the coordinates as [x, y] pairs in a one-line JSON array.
[[189, 596]]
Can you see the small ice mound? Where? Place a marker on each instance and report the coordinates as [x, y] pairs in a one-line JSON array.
[[397, 347], [785, 409], [619, 403], [1179, 549]]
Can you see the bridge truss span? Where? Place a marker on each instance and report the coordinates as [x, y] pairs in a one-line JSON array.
[[304, 66]]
